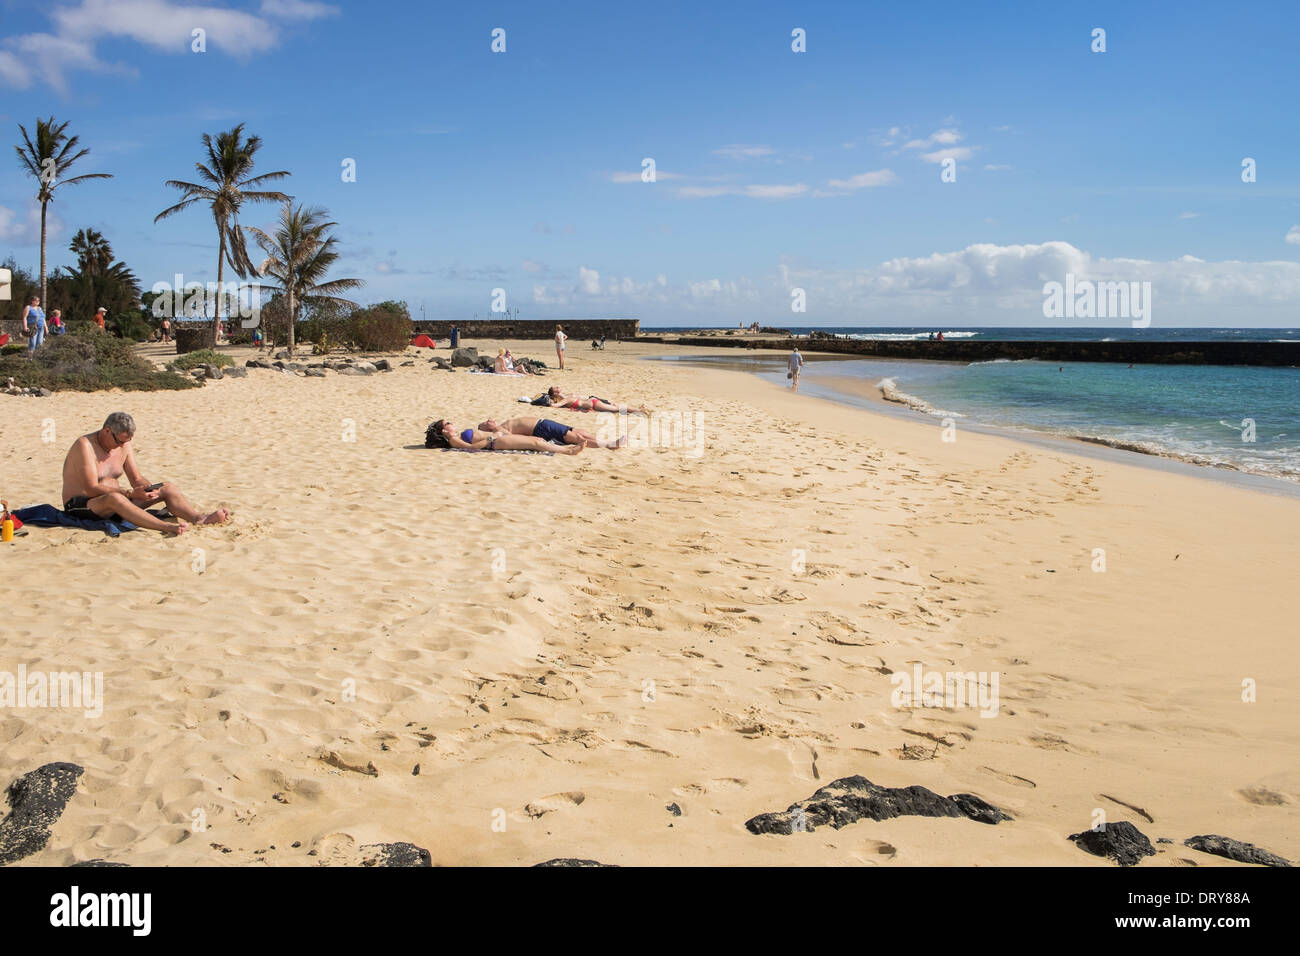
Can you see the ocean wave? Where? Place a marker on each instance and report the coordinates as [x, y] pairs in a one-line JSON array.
[[907, 336], [999, 361], [890, 392], [1268, 470]]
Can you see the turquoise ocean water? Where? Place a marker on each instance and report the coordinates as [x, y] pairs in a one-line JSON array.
[[1242, 418]]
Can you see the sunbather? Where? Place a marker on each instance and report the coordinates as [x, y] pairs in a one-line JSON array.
[[550, 431], [558, 399], [442, 434], [91, 489]]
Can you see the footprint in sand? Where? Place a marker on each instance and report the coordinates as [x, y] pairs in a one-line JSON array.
[[556, 801], [1010, 778], [1263, 797]]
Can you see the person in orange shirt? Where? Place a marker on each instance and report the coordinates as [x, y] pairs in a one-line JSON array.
[[99, 316]]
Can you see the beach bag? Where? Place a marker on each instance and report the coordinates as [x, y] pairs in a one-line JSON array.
[[789, 374]]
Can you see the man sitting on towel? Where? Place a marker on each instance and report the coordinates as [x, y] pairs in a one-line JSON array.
[[91, 490]]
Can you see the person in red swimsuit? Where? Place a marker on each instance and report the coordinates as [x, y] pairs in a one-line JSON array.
[[558, 399]]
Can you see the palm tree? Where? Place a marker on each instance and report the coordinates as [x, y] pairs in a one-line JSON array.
[[93, 252], [226, 185], [298, 255], [46, 159]]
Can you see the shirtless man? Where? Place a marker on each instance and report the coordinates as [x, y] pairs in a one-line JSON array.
[[91, 490], [551, 431]]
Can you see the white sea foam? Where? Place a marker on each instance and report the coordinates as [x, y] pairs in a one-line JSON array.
[[890, 392], [907, 336]]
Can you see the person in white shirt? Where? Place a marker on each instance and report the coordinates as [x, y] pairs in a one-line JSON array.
[[794, 365], [559, 344]]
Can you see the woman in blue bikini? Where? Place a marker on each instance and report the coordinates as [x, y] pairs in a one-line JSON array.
[[442, 434]]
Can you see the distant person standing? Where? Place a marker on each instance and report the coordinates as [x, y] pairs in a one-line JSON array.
[[455, 336], [167, 330], [99, 317], [938, 337], [795, 365], [559, 344], [34, 325], [56, 322]]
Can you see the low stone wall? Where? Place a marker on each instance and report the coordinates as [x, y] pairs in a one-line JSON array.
[[575, 329], [967, 350]]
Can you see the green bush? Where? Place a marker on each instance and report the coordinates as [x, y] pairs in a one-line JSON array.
[[202, 357], [133, 326], [88, 362], [385, 327]]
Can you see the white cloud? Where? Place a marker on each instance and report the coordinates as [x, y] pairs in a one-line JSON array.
[[624, 177], [531, 266], [997, 167], [384, 268], [752, 191], [1293, 236], [879, 177], [589, 280], [992, 284], [163, 25], [24, 228], [297, 9], [741, 151], [956, 152], [940, 137]]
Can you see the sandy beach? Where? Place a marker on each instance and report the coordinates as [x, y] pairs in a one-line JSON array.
[[565, 647]]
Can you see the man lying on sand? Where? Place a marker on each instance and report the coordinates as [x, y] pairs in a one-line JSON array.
[[91, 490], [442, 434], [548, 430], [558, 399]]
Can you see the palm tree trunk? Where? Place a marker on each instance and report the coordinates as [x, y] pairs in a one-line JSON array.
[[293, 316], [45, 302], [221, 262]]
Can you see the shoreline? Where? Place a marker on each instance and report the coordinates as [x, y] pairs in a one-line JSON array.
[[870, 398], [569, 646]]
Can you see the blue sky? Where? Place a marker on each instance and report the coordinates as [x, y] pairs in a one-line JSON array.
[[776, 170]]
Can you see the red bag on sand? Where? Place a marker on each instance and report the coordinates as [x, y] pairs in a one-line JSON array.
[[4, 340], [423, 341]]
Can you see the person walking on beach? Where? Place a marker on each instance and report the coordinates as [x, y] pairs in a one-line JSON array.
[[34, 325], [91, 490], [795, 364], [559, 344]]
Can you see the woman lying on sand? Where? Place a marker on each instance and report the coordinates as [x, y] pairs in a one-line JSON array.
[[548, 430], [558, 399], [442, 434]]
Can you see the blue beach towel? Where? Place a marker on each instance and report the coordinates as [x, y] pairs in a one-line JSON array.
[[48, 516]]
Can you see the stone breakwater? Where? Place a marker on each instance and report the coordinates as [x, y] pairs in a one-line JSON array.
[[968, 350], [577, 330]]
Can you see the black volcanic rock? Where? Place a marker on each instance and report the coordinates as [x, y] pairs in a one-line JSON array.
[[395, 854], [850, 799], [565, 861], [1122, 842], [36, 799], [1234, 850]]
